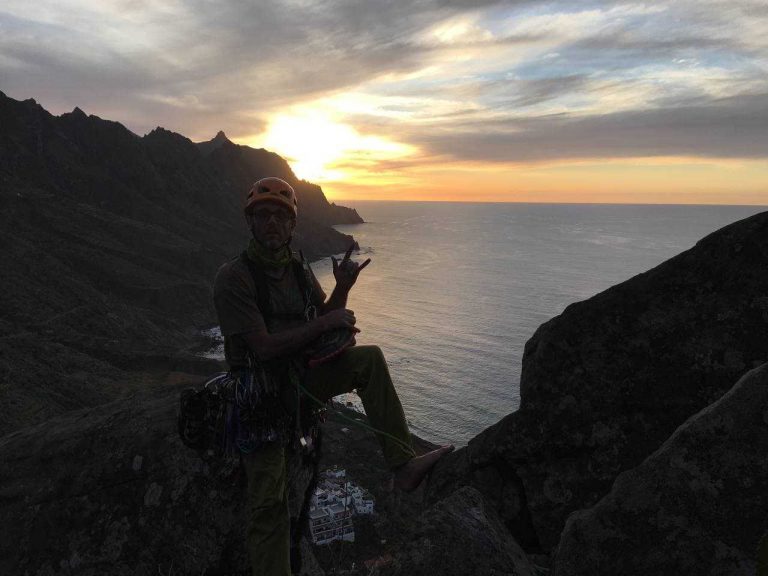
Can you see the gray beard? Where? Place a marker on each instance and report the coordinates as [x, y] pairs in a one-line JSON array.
[[274, 250]]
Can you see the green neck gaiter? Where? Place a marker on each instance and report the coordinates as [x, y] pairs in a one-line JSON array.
[[262, 255]]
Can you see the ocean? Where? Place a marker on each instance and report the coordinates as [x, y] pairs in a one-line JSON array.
[[454, 290]]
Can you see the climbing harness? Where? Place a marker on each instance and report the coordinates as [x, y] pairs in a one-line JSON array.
[[239, 411]]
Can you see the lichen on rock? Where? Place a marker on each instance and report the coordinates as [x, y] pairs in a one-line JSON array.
[[698, 505]]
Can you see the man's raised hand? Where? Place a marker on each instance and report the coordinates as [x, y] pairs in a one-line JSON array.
[[347, 271]]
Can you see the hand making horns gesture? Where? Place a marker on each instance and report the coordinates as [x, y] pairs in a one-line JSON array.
[[347, 271]]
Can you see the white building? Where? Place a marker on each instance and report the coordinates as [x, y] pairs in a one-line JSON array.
[[362, 500], [333, 504], [331, 523]]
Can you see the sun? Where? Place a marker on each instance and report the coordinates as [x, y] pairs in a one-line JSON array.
[[317, 146], [310, 143]]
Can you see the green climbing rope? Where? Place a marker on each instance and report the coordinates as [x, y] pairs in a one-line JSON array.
[[356, 422]]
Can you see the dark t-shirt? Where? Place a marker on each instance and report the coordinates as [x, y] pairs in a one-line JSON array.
[[235, 298]]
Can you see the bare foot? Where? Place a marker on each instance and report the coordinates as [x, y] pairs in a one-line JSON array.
[[409, 475]]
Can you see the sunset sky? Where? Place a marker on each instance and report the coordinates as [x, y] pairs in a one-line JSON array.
[[657, 102]]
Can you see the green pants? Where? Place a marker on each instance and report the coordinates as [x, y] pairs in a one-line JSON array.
[[363, 368], [762, 556]]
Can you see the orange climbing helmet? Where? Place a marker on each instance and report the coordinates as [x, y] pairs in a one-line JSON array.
[[272, 189]]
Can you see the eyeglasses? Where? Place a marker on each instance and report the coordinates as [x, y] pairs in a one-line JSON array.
[[264, 215]]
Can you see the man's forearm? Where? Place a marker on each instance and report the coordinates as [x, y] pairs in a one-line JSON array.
[[337, 301], [267, 346]]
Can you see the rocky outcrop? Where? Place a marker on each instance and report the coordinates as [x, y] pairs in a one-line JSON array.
[[461, 536], [696, 506], [111, 490], [604, 384]]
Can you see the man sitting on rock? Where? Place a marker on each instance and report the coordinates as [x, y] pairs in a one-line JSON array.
[[271, 310]]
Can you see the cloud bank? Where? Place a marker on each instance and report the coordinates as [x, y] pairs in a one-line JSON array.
[[514, 81]]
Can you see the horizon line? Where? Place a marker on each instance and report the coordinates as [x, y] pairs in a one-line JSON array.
[[341, 200]]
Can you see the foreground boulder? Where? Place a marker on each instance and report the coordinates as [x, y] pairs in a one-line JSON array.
[[607, 381], [461, 536], [112, 490], [697, 506]]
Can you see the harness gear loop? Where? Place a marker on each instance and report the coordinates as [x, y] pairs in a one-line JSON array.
[[286, 369]]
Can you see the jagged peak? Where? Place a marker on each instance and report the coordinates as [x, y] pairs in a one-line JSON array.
[[215, 143], [164, 132], [77, 113], [159, 130], [160, 134], [29, 102]]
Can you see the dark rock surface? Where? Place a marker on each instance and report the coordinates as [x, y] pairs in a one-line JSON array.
[[604, 384], [762, 556], [696, 506], [461, 536], [111, 490], [109, 243]]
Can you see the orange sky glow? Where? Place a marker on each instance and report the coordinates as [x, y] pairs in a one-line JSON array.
[[641, 181], [353, 167], [604, 102]]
